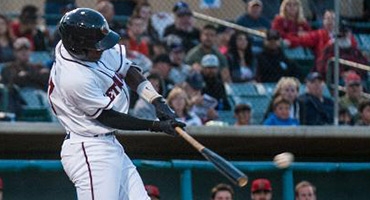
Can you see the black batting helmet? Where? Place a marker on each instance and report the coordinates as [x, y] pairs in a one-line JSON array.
[[85, 29]]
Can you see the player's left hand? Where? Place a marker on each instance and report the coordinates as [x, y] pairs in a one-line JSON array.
[[167, 126], [163, 111]]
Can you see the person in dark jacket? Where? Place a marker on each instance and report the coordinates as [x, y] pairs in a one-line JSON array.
[[315, 108], [272, 64]]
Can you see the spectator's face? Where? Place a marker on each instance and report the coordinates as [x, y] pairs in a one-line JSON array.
[[282, 110], [177, 56], [292, 8], [255, 11], [210, 71], [289, 92], [3, 26], [162, 68], [272, 44], [108, 12], [354, 90], [223, 195], [185, 22], [329, 20], [344, 118], [261, 195], [243, 117], [208, 38], [242, 42], [145, 12], [23, 54], [306, 193], [137, 26], [178, 103], [315, 87]]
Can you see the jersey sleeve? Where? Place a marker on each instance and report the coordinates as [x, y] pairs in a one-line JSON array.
[[89, 98], [124, 62]]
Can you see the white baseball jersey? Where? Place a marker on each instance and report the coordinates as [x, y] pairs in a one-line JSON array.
[[79, 91]]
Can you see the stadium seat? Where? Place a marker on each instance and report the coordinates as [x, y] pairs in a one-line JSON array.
[[363, 41], [226, 116], [42, 57], [241, 89]]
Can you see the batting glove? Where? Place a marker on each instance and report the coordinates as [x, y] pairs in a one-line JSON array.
[[163, 111], [167, 126]]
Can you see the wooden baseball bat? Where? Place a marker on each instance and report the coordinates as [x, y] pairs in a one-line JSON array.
[[222, 165], [229, 24]]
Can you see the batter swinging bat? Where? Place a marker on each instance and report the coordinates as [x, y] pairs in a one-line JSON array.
[[222, 165]]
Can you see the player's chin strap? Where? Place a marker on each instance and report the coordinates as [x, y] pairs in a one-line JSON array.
[[146, 91]]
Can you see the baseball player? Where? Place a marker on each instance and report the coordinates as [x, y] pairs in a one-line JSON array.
[[88, 94]]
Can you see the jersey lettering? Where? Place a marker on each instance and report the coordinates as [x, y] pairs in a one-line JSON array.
[[115, 89]]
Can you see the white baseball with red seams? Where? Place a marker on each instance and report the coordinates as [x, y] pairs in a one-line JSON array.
[[283, 160], [78, 94]]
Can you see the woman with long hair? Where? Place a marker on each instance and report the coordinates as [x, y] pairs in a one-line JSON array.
[[240, 58], [290, 20]]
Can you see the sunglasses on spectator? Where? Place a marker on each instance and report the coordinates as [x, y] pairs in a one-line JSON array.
[[261, 191]]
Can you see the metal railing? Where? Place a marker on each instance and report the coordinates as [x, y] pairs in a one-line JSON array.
[[186, 167]]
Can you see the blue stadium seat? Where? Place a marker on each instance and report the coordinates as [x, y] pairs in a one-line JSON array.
[[241, 89], [297, 53], [363, 41], [226, 116], [42, 57]]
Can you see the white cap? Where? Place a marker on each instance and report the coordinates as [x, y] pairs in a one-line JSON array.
[[210, 60]]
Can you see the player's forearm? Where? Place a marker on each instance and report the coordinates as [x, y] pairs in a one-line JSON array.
[[123, 121]]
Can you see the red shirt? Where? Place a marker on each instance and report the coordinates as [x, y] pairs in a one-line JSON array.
[[288, 27], [14, 27], [141, 47]]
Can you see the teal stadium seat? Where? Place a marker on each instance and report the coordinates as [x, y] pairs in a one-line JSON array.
[[241, 89], [226, 116], [42, 57]]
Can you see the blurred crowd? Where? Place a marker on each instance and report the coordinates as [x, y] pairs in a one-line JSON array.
[[191, 65]]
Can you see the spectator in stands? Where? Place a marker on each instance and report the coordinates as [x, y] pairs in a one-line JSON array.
[[281, 114], [144, 10], [179, 70], [272, 64], [222, 191], [291, 20], [183, 30], [157, 48], [353, 96], [319, 39], [346, 51], [27, 26], [162, 67], [201, 104], [138, 41], [223, 38], [288, 88], [214, 86], [142, 108], [242, 114], [140, 59], [6, 42], [304, 190], [1, 188], [178, 100], [253, 19], [315, 109], [240, 58], [208, 46], [261, 189], [106, 8], [153, 192], [364, 110], [21, 72], [344, 117]]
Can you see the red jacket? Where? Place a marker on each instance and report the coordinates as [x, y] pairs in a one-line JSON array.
[[316, 40], [288, 27]]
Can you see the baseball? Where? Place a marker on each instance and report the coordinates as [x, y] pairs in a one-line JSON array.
[[283, 160]]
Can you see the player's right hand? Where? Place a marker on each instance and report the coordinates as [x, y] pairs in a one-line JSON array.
[[167, 126]]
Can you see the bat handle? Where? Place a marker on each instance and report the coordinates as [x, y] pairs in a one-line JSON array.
[[190, 139]]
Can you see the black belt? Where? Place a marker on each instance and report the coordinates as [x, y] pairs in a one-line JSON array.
[[68, 136]]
